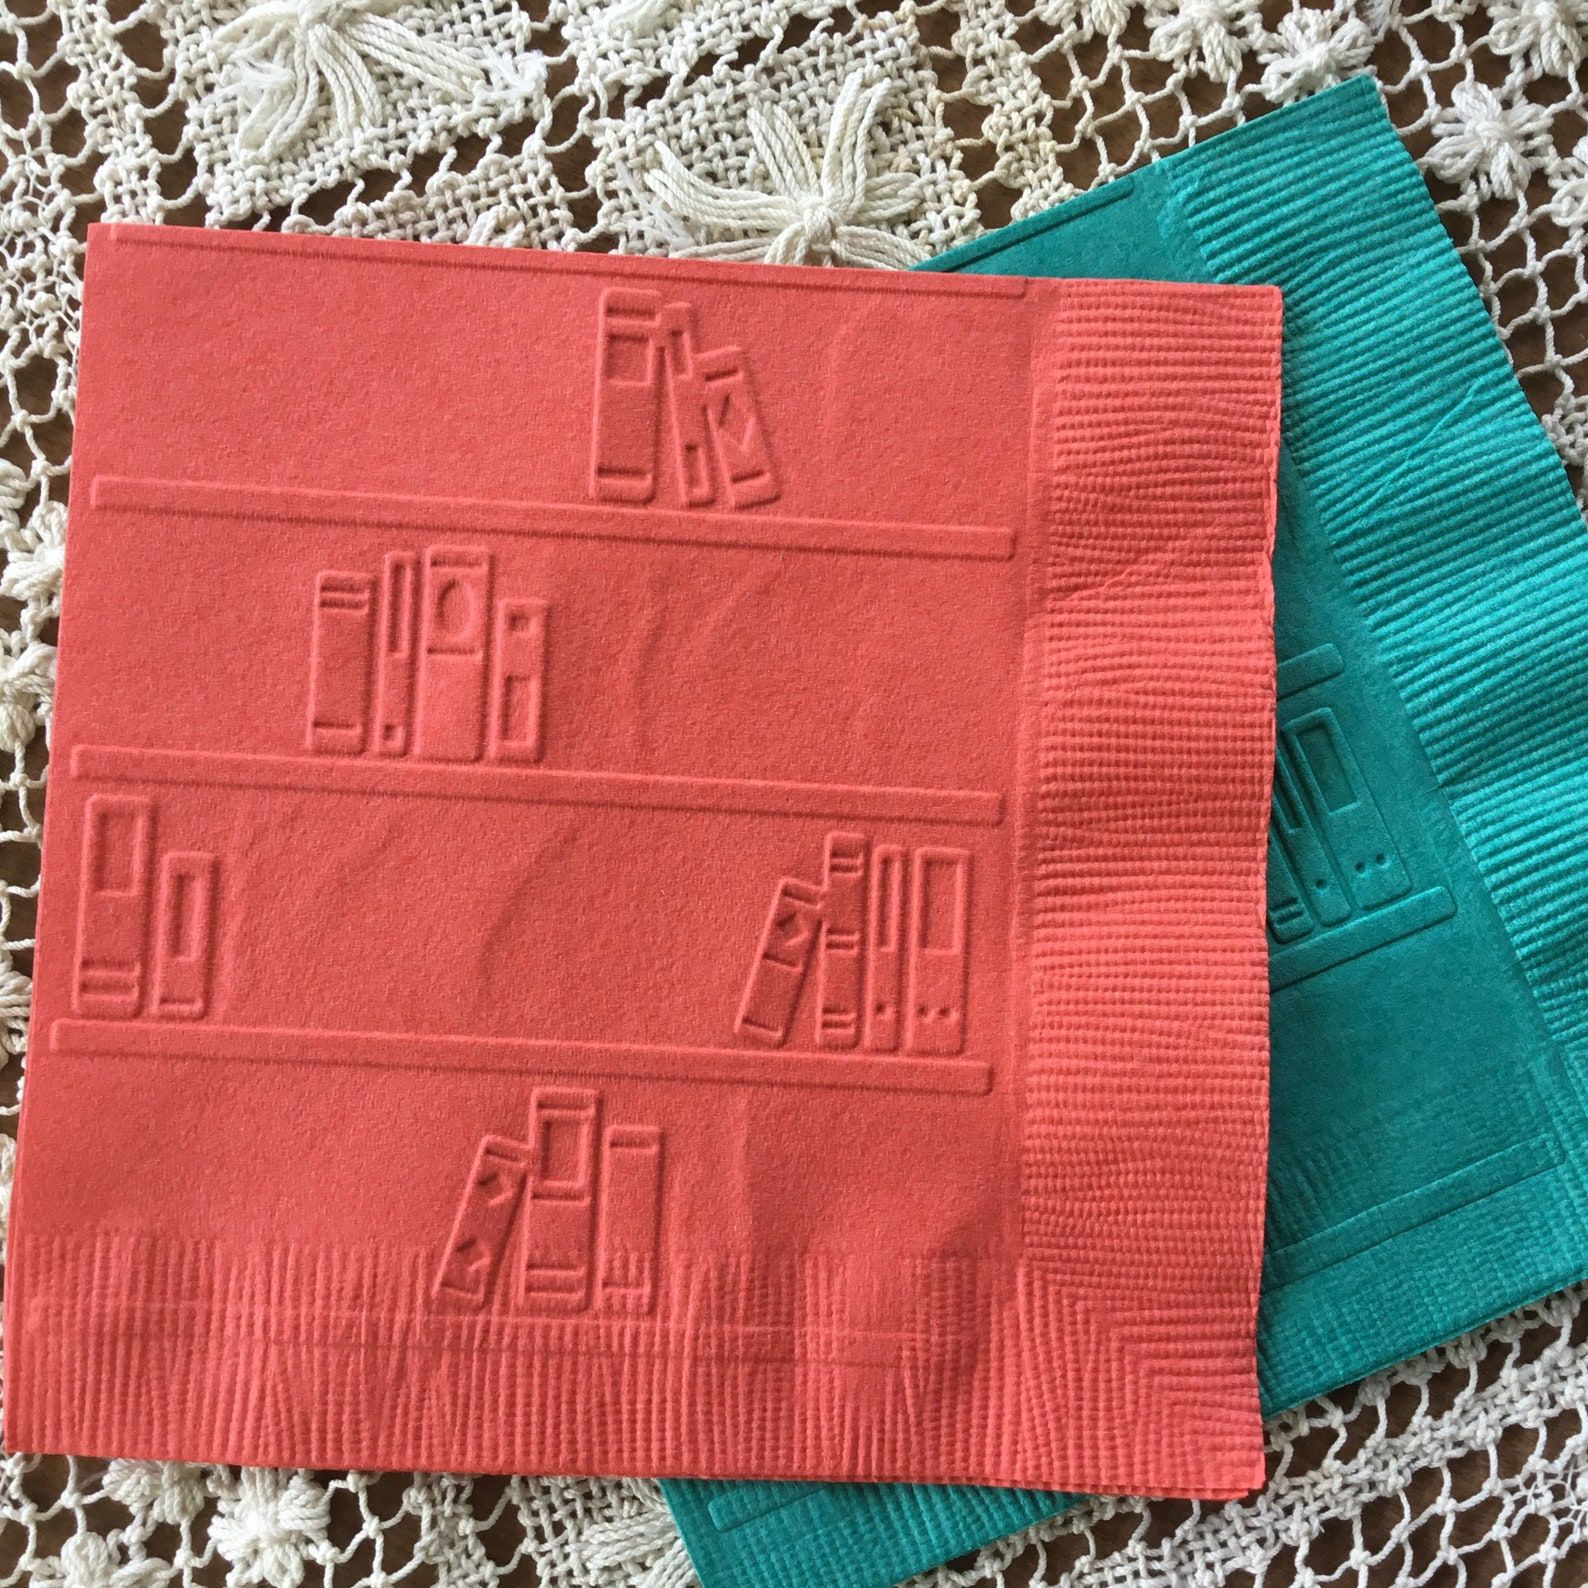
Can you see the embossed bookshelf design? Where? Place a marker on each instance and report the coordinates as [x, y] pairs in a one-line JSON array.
[[428, 676], [117, 1038], [574, 1212], [536, 785], [1338, 883], [648, 359], [433, 669], [888, 930], [118, 877], [145, 935], [456, 699], [653, 523]]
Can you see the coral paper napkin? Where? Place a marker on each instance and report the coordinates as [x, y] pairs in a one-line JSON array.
[[671, 900], [1426, 899]]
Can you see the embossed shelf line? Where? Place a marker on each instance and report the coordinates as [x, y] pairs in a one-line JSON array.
[[741, 531], [533, 785], [525, 261], [535, 1056]]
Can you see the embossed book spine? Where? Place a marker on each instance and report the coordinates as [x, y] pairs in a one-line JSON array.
[[454, 633], [339, 689], [840, 959], [399, 610], [885, 947]]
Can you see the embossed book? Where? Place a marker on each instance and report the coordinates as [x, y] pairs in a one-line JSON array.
[[1427, 898], [675, 900]]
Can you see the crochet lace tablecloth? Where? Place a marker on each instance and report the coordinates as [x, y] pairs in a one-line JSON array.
[[870, 133]]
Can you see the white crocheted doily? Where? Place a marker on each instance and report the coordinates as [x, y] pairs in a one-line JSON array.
[[871, 132]]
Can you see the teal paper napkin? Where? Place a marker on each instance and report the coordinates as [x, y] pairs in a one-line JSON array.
[[1428, 886]]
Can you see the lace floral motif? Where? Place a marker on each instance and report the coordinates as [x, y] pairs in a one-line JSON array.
[[1484, 140], [1310, 50], [159, 1492], [1552, 34], [827, 214], [89, 1561], [270, 1525], [1209, 35], [1568, 205], [291, 57]]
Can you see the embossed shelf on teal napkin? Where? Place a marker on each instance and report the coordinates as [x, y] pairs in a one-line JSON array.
[[1427, 902]]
